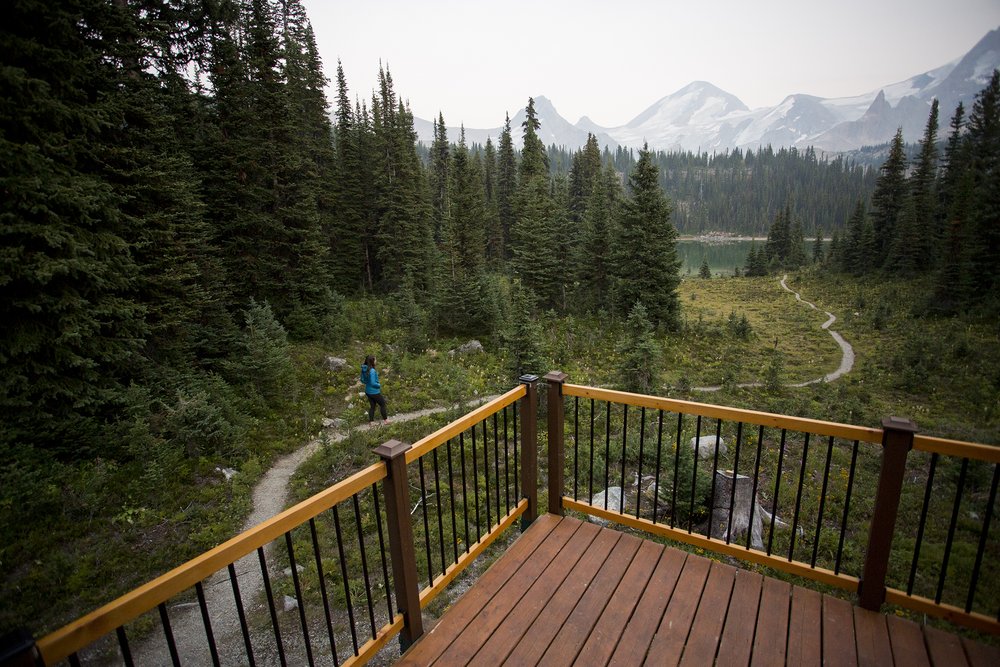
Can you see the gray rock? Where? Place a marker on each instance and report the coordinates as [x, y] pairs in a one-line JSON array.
[[291, 603], [226, 472], [335, 364], [706, 445], [472, 347], [288, 571], [614, 498]]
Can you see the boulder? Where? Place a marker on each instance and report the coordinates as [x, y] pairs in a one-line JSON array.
[[291, 603], [742, 500], [472, 347], [334, 364], [706, 446], [613, 495]]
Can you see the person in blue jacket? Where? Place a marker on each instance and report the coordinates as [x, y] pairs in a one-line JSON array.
[[373, 390]]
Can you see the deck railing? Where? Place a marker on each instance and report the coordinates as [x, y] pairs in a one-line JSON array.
[[360, 561], [815, 499]]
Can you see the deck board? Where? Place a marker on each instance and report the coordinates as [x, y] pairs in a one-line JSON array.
[[570, 593]]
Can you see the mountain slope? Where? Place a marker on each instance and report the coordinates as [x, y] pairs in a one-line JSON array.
[[702, 117]]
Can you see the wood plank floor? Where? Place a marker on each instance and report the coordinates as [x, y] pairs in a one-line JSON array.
[[570, 593]]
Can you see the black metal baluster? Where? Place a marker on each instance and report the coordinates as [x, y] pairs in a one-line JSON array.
[[240, 613], [440, 506], [475, 483], [200, 590], [496, 463], [822, 501], [169, 634], [974, 580], [506, 462], [753, 491], [454, 510], [951, 529], [798, 498], [576, 447], [465, 489], [590, 490], [847, 507], [694, 475], [381, 551], [607, 452], [677, 463], [736, 476], [517, 469], [777, 491], [298, 596], [921, 524], [322, 589], [427, 529], [621, 504], [364, 563], [486, 476], [123, 645], [270, 605], [659, 447], [715, 469], [638, 482], [343, 573], [74, 660]]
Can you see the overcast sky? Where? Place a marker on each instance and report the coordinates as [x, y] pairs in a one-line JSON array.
[[610, 59]]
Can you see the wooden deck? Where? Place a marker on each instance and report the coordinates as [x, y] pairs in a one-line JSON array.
[[568, 592]]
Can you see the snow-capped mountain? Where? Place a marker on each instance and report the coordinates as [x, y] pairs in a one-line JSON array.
[[701, 117]]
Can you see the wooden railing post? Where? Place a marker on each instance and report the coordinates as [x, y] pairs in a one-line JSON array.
[[529, 448], [396, 491], [556, 416], [897, 440]]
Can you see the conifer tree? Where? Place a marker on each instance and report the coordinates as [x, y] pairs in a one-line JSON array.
[[495, 239], [594, 264], [647, 267], [438, 177], [348, 236], [534, 242], [889, 199], [71, 323], [506, 185], [926, 230], [984, 162]]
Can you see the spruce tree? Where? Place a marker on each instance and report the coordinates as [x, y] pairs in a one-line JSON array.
[[506, 190], [594, 264], [71, 325], [438, 177], [926, 227], [889, 199], [984, 163], [647, 267]]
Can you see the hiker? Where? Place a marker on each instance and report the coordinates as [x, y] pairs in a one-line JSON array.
[[373, 390]]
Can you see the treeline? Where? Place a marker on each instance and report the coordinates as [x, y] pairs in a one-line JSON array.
[[741, 192], [940, 215]]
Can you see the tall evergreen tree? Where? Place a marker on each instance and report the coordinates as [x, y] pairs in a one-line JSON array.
[[984, 162], [491, 221], [647, 267], [349, 241], [506, 185], [438, 177], [927, 233], [889, 198], [594, 264], [71, 323]]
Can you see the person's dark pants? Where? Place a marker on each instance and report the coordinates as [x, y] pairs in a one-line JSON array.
[[373, 400]]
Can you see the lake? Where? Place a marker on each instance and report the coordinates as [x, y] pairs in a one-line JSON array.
[[723, 258]]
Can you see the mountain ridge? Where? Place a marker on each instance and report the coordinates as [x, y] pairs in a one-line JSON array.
[[702, 117]]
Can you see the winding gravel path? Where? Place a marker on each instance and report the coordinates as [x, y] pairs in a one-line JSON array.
[[269, 498], [847, 352]]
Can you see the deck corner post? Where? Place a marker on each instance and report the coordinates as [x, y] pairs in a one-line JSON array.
[[897, 440], [529, 449], [556, 414], [396, 491]]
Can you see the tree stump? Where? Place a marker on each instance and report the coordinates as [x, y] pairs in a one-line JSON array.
[[721, 527]]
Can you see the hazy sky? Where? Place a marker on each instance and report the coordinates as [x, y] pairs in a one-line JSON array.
[[610, 59]]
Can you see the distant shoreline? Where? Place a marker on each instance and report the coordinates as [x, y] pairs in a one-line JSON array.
[[726, 238]]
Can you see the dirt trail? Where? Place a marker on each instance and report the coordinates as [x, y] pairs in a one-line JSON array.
[[269, 498], [847, 352]]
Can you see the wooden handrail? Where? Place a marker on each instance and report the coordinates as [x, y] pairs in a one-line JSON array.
[[966, 450], [442, 435], [87, 629], [845, 431]]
